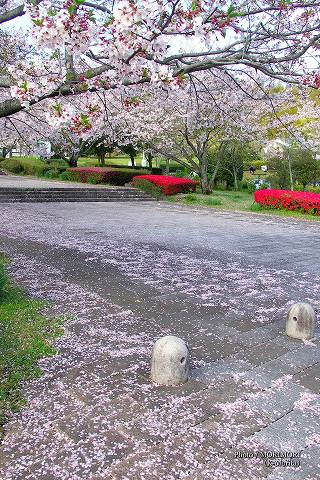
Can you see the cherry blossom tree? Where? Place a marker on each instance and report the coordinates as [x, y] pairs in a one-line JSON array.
[[94, 46], [195, 126]]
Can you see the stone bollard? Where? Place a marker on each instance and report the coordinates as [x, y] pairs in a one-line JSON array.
[[301, 321], [170, 361]]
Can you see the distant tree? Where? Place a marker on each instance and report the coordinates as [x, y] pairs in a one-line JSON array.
[[305, 166], [279, 172], [232, 165], [130, 150], [99, 147], [295, 165]]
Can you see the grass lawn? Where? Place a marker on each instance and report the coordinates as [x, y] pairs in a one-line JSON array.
[[93, 162], [220, 199], [235, 201], [119, 160], [25, 337]]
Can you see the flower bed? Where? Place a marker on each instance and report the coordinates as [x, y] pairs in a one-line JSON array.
[[289, 200], [112, 176], [168, 185]]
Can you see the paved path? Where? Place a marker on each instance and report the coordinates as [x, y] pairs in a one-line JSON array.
[[17, 181], [131, 273]]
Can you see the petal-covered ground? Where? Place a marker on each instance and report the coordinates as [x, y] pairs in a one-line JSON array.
[[127, 274]]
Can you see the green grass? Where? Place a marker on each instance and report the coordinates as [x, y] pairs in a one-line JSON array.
[[282, 212], [25, 337], [221, 199], [235, 201], [119, 160]]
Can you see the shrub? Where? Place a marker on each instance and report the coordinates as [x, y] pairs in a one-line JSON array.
[[13, 165], [156, 171], [313, 189], [95, 179], [112, 176], [81, 174], [251, 186], [58, 164], [289, 200], [148, 187], [258, 164], [183, 173], [65, 176], [34, 167], [169, 185], [123, 176], [51, 174], [264, 185]]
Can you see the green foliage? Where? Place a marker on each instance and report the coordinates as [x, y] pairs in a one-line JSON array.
[[34, 166], [190, 198], [66, 176], [51, 174], [25, 337], [228, 200], [182, 173], [280, 172], [148, 187], [13, 165], [313, 189], [264, 185], [95, 179], [74, 176], [251, 187], [122, 176], [211, 201], [258, 163], [305, 168]]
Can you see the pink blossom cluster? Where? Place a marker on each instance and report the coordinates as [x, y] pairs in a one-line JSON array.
[[70, 25]]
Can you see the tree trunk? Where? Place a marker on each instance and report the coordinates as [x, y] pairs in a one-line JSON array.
[[167, 166], [206, 185], [102, 159], [149, 160], [132, 160], [73, 159], [206, 188], [235, 178], [290, 172], [217, 165]]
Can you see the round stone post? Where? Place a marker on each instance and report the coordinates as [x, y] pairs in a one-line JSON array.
[[170, 361], [301, 321]]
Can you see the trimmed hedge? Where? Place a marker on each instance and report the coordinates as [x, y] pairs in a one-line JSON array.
[[112, 176], [289, 200], [23, 167], [168, 185], [13, 165]]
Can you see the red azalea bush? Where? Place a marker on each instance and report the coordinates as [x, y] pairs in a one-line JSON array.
[[290, 200], [112, 176], [169, 185]]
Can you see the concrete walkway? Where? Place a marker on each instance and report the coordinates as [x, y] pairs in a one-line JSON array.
[[18, 181], [130, 273]]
